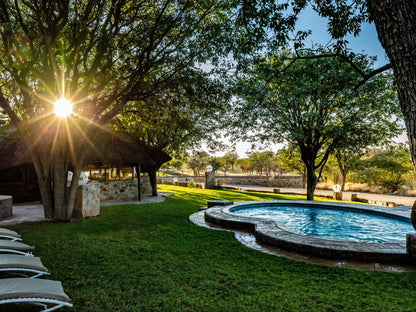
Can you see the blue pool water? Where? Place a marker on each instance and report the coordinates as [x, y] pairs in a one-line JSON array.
[[332, 223]]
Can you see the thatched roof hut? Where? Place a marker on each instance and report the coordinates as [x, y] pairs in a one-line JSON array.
[[107, 149]]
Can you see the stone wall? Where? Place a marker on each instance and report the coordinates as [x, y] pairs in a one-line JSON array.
[[124, 190], [278, 181]]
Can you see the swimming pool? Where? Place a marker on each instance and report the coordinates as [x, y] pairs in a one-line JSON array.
[[306, 234], [331, 222]]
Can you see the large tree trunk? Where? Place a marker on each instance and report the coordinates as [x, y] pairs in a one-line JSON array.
[[60, 173], [58, 201], [344, 180], [344, 171], [311, 183], [153, 182], [51, 158], [395, 21], [45, 182]]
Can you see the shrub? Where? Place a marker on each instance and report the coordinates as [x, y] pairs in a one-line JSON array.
[[219, 185], [192, 183]]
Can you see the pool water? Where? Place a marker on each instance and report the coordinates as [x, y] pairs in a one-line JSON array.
[[332, 223]]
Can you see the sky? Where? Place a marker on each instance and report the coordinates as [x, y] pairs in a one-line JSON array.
[[367, 42]]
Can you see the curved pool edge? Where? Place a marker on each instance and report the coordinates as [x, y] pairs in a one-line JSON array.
[[276, 234]]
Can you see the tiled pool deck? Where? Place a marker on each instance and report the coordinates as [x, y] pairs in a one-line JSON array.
[[271, 236]]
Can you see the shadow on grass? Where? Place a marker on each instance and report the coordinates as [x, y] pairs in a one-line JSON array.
[[150, 258]]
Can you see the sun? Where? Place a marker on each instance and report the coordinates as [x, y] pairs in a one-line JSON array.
[[63, 108]]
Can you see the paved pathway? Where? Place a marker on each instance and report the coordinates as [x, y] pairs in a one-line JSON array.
[[401, 200], [34, 212]]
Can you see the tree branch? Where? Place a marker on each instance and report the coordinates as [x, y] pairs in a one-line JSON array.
[[372, 74], [344, 57], [5, 105]]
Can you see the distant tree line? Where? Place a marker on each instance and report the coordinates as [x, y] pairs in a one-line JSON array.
[[389, 167]]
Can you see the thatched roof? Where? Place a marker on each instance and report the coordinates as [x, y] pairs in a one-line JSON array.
[[115, 149], [13, 151], [108, 149]]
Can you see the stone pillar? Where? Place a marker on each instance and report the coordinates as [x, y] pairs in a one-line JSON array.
[[337, 195], [87, 202], [210, 180], [411, 247], [6, 206]]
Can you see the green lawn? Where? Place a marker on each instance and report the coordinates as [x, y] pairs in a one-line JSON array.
[[150, 258]]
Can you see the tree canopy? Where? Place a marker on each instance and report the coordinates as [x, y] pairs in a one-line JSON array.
[[386, 168], [395, 23], [104, 56], [311, 103]]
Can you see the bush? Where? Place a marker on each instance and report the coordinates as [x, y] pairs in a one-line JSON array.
[[192, 183], [219, 185]]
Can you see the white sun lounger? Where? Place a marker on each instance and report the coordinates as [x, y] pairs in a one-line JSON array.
[[46, 293], [8, 246], [12, 263], [6, 233]]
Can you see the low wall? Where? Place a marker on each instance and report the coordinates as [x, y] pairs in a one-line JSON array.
[[278, 181], [124, 190]]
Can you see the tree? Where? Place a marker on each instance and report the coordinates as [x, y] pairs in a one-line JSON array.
[[102, 55], [231, 158], [245, 166], [174, 163], [289, 159], [182, 115], [216, 163], [357, 143], [198, 162], [394, 21], [347, 159], [313, 104], [262, 162], [386, 167]]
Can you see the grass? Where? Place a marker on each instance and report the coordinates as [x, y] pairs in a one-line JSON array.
[[150, 258]]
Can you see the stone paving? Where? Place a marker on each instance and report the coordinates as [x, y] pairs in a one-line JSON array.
[[268, 236], [33, 212]]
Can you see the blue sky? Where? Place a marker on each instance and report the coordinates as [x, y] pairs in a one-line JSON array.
[[367, 42]]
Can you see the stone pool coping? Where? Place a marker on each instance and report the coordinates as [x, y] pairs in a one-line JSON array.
[[276, 234]]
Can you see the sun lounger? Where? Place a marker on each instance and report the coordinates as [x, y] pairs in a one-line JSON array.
[[8, 246], [12, 263], [6, 233], [34, 291]]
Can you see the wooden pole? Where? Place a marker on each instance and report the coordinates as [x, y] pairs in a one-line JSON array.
[[139, 173]]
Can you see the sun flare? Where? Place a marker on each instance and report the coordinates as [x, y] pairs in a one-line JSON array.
[[63, 108]]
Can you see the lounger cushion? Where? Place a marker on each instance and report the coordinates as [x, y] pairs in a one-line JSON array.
[[7, 232], [21, 262], [16, 288], [7, 244]]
